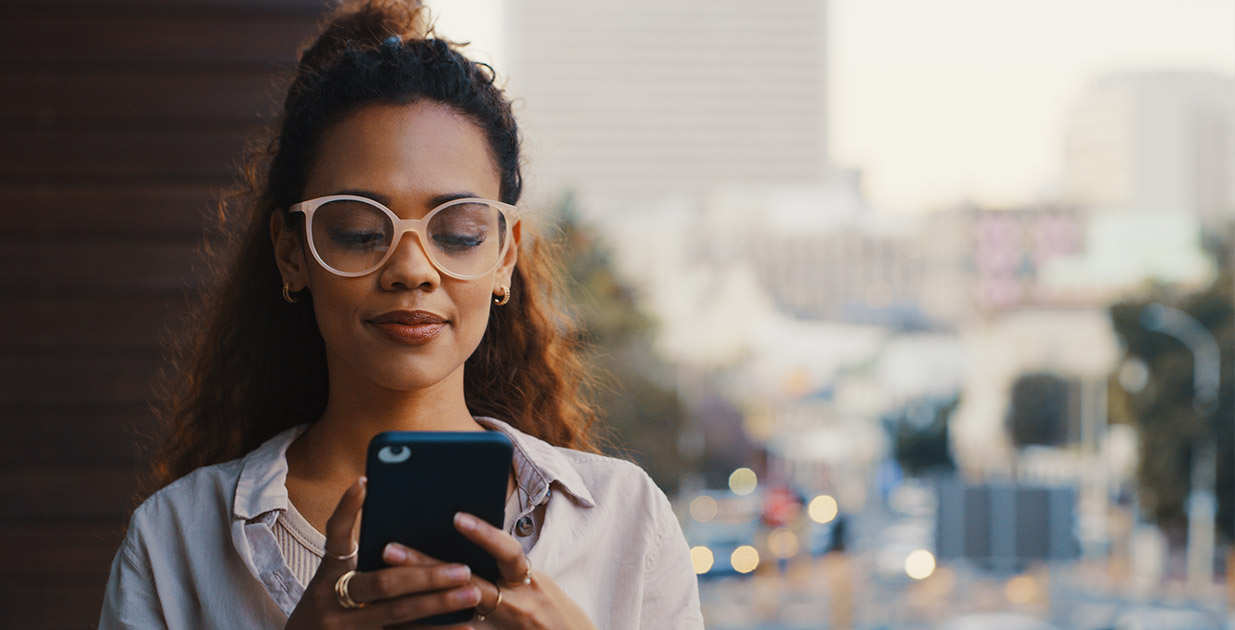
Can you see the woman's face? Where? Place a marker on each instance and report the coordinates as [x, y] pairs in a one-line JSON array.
[[405, 326]]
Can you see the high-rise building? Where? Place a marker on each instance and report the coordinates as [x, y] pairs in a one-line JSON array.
[[1154, 142], [655, 97]]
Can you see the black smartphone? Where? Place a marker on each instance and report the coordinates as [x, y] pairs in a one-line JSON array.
[[418, 480]]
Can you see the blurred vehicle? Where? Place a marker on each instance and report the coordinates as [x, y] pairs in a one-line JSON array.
[[723, 522], [781, 506], [900, 539], [996, 621], [723, 543]]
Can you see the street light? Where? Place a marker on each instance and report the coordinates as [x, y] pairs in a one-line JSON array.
[[1206, 377]]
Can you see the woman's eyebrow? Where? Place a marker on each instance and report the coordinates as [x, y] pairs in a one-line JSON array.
[[433, 201], [438, 200], [368, 194]]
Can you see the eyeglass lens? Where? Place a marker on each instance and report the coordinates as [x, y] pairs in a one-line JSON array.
[[465, 239]]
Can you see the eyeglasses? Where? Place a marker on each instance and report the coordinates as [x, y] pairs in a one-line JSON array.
[[353, 236]]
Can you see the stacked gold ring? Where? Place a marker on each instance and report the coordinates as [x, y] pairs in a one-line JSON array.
[[480, 616], [347, 556], [341, 593]]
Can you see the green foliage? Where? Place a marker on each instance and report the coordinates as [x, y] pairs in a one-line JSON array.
[[919, 435], [642, 412], [1163, 410]]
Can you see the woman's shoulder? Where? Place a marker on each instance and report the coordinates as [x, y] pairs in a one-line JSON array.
[[242, 485], [593, 479], [615, 481], [602, 466], [191, 496]]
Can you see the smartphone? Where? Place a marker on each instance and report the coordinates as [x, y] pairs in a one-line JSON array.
[[418, 480]]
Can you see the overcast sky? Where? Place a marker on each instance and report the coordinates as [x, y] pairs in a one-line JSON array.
[[942, 100]]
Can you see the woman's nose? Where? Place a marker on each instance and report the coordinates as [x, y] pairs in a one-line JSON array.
[[409, 266]]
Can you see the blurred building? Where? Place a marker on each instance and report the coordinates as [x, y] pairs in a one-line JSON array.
[[648, 97], [1011, 247], [1154, 142], [847, 275]]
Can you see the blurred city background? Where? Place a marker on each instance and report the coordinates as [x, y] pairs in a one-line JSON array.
[[922, 313]]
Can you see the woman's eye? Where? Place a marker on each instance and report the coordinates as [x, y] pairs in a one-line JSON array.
[[357, 240], [458, 242]]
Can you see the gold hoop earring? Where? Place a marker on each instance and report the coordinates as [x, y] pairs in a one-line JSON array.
[[501, 301], [287, 294]]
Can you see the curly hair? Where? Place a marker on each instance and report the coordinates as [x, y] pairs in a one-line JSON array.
[[249, 365]]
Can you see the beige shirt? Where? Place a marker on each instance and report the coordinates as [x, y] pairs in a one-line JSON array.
[[201, 553]]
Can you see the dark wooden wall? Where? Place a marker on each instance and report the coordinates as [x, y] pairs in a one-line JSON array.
[[120, 123]]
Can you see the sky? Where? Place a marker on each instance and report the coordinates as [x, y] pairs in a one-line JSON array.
[[946, 100]]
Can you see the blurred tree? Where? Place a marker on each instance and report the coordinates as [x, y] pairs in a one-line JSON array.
[[1040, 410], [919, 435], [726, 445], [1153, 391], [642, 413]]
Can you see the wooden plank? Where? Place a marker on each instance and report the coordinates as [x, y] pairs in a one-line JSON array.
[[72, 550], [55, 267], [115, 437], [108, 210], [62, 492], [75, 323], [167, 6], [101, 153], [150, 97], [52, 602], [27, 381], [50, 38]]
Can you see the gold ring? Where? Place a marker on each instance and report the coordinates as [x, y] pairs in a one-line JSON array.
[[480, 616], [355, 550], [527, 577], [341, 593]]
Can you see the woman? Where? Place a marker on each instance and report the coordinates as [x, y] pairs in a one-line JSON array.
[[333, 322]]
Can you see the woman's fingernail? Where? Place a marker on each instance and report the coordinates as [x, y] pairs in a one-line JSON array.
[[458, 573], [363, 481], [468, 596], [394, 553], [464, 521]]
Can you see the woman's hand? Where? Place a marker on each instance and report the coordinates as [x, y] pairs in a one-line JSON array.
[[413, 587], [528, 599]]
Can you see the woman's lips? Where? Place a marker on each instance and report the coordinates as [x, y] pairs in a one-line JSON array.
[[409, 327], [414, 335]]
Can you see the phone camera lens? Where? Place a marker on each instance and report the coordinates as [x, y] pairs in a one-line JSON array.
[[394, 454]]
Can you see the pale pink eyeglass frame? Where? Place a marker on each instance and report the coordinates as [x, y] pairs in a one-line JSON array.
[[402, 226]]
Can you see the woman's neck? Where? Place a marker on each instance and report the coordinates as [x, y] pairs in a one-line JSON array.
[[333, 449], [330, 455]]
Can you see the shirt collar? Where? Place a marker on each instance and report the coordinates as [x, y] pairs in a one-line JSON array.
[[262, 485], [545, 463]]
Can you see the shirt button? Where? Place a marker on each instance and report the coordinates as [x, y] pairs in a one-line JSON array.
[[524, 526]]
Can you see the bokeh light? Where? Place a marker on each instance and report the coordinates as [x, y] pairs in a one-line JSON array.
[[703, 508], [744, 559], [822, 509], [920, 564], [783, 542], [702, 558], [1022, 589], [743, 481]]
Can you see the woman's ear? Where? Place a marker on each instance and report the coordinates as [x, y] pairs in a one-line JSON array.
[[507, 269], [288, 253]]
